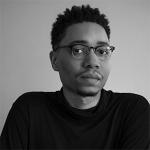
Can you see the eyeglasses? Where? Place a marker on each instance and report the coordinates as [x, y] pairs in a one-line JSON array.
[[79, 51]]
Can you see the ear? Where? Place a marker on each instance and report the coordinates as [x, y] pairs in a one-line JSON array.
[[53, 58]]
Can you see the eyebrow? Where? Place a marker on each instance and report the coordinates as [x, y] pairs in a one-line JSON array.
[[85, 42], [79, 41], [102, 43]]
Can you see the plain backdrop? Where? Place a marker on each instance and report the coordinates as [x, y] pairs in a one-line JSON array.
[[25, 27]]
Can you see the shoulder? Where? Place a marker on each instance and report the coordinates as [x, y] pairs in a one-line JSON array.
[[132, 99], [34, 99], [130, 102]]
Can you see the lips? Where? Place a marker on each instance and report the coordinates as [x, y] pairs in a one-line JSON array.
[[90, 78], [88, 75]]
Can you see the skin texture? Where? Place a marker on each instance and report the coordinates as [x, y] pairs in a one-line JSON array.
[[80, 90]]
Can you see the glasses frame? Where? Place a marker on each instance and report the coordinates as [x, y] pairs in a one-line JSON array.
[[110, 48]]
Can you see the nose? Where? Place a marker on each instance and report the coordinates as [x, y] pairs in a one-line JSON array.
[[91, 61]]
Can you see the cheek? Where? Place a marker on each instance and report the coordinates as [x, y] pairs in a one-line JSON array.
[[68, 68], [64, 67], [106, 67]]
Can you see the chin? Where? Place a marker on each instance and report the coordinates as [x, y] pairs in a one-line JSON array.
[[90, 91]]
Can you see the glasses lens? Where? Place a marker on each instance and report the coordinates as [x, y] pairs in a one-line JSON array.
[[102, 51], [78, 51]]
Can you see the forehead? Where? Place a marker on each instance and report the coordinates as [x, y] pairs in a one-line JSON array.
[[90, 32]]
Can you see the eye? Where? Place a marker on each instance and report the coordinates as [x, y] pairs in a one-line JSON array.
[[101, 51], [77, 50]]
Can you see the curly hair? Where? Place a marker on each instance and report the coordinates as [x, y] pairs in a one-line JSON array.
[[77, 14]]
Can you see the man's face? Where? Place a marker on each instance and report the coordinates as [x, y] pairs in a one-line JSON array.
[[86, 76]]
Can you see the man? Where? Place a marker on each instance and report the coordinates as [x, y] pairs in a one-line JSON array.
[[82, 115]]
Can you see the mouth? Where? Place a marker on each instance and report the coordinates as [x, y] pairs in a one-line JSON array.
[[95, 76], [90, 78]]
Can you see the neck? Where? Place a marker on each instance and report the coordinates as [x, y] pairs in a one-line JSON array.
[[81, 102]]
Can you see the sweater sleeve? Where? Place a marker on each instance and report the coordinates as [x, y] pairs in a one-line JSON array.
[[136, 132], [15, 132]]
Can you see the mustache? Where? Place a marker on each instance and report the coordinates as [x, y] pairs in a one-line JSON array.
[[91, 74]]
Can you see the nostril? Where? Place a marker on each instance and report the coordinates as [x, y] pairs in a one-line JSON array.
[[97, 66], [92, 66]]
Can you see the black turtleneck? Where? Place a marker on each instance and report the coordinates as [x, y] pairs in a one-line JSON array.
[[45, 120]]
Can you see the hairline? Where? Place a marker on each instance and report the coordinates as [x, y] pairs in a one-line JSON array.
[[62, 35]]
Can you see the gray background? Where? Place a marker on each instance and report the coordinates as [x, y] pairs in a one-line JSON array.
[[25, 46]]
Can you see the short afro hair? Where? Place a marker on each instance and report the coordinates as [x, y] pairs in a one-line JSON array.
[[76, 14]]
